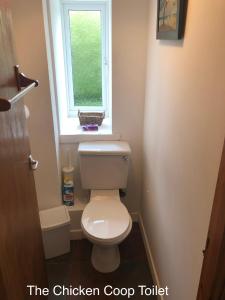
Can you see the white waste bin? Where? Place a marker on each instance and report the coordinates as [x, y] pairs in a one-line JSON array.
[[55, 226]]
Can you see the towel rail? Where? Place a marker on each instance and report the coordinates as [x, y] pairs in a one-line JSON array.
[[24, 86]]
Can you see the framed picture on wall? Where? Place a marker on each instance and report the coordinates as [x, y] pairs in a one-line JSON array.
[[171, 15]]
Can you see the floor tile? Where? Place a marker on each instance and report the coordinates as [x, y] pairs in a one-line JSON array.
[[81, 250]]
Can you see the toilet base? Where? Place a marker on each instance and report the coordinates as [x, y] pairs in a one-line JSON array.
[[105, 259]]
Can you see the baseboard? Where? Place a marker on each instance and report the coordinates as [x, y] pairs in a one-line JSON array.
[[76, 234], [149, 254]]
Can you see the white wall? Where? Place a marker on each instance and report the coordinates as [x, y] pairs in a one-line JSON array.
[[31, 52], [129, 22], [129, 42], [183, 137]]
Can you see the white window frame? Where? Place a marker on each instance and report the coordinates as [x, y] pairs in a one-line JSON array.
[[102, 6]]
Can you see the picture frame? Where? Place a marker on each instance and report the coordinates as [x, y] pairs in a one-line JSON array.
[[171, 17]]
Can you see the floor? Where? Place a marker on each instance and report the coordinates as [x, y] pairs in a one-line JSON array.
[[75, 269]]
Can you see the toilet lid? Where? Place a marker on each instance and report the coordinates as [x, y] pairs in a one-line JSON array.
[[105, 219]]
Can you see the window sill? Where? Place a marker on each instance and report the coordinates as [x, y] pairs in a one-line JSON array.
[[72, 132]]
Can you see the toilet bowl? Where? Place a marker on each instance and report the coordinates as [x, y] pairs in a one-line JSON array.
[[105, 223]]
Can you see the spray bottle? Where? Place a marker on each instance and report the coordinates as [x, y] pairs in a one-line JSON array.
[[68, 182]]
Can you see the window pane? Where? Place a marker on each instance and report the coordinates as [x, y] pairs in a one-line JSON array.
[[85, 29]]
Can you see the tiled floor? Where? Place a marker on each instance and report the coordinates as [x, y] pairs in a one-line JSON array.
[[75, 269]]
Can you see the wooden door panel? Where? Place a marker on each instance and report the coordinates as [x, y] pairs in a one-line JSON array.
[[9, 263], [2, 289], [7, 53], [21, 249], [219, 281]]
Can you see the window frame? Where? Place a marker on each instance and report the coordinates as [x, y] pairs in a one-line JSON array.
[[101, 6]]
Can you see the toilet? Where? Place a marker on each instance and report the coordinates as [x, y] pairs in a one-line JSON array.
[[105, 220]]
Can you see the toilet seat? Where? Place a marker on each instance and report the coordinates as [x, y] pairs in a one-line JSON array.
[[106, 220]]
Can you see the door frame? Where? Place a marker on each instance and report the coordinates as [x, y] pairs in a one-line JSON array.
[[212, 280]]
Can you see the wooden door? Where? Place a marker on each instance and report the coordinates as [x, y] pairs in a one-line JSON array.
[[21, 250], [212, 282]]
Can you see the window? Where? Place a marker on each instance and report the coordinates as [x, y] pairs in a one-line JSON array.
[[78, 40], [86, 55]]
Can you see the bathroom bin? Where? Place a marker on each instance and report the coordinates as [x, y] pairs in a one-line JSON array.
[[55, 226]]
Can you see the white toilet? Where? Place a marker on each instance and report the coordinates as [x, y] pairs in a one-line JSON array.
[[105, 220]]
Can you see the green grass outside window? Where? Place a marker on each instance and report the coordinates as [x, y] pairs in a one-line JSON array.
[[86, 47]]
